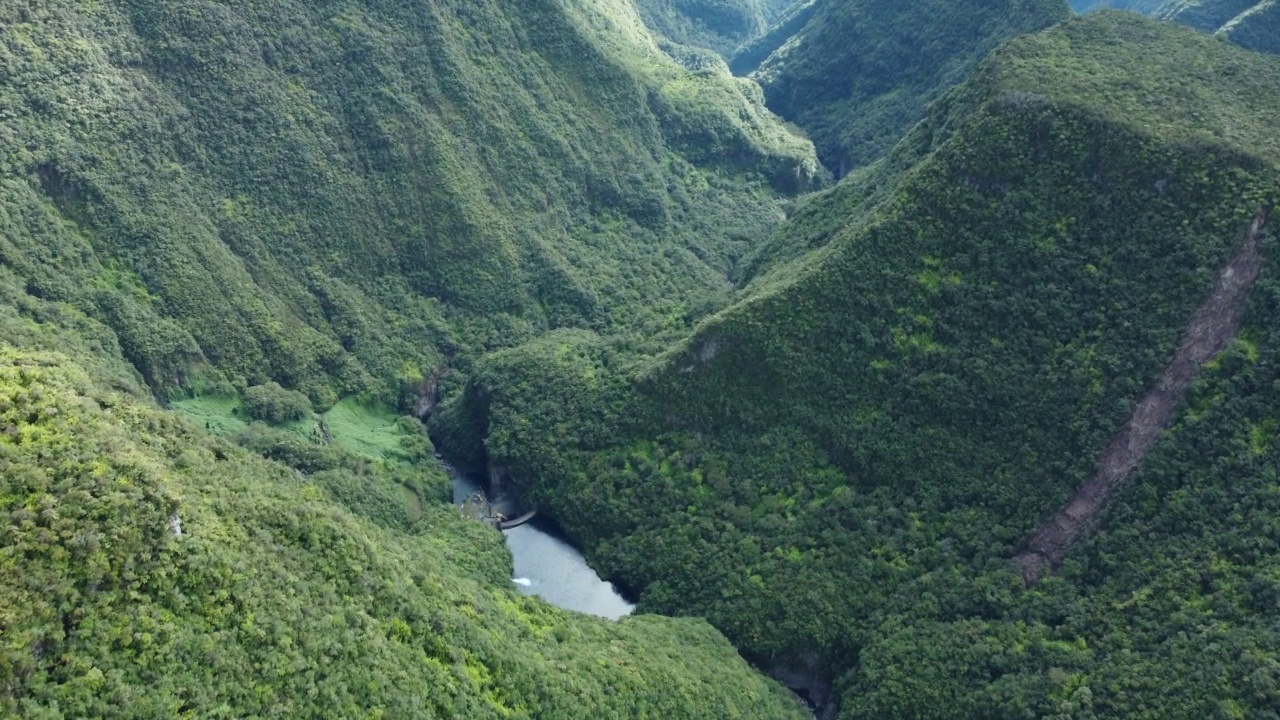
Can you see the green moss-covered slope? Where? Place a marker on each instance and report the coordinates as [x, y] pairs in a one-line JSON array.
[[340, 196], [836, 469], [856, 74]]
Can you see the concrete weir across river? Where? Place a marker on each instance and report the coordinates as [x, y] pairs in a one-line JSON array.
[[548, 566]]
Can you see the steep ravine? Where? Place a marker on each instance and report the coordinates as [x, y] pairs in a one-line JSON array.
[[1211, 329]]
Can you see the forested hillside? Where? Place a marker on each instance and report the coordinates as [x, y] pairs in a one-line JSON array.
[[857, 74], [838, 469], [289, 220], [247, 248], [339, 196], [149, 570], [1148, 7], [1254, 24]]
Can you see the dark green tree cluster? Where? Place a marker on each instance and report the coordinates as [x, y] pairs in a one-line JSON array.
[[273, 404], [837, 469]]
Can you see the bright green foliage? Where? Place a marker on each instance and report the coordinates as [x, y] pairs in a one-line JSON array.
[[856, 74], [537, 209], [247, 208], [340, 450], [376, 434], [273, 601], [344, 196], [219, 414], [837, 467], [273, 404], [349, 426]]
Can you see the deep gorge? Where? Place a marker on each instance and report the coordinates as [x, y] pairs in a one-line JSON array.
[[798, 356]]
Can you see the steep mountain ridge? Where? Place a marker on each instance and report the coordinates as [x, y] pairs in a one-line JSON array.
[[1256, 28], [830, 443], [837, 469], [336, 196], [1254, 24], [220, 205], [857, 74]]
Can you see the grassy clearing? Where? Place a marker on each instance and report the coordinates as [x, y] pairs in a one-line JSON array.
[[214, 412], [369, 431]]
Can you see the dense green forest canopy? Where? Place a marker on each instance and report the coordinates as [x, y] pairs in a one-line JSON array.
[[150, 570], [836, 469], [314, 215], [343, 196], [857, 74], [246, 247]]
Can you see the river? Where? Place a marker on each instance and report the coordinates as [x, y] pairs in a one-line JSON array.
[[549, 567]]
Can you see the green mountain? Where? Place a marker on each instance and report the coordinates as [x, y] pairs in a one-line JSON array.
[[150, 570], [251, 211], [1249, 23], [337, 197], [857, 74], [1257, 28], [839, 469], [1147, 7], [1255, 25], [985, 430]]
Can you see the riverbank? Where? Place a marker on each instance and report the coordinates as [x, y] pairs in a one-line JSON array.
[[547, 565]]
